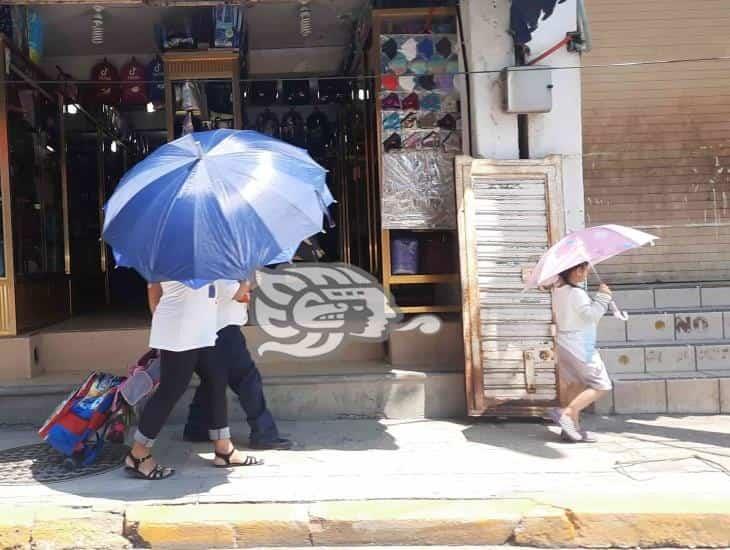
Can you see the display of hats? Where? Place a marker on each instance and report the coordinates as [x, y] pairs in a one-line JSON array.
[[106, 91], [391, 122], [437, 64], [134, 90], [447, 122], [425, 47], [418, 66], [445, 82], [391, 102], [409, 121], [426, 82], [409, 48], [292, 129], [431, 141], [450, 104], [389, 47], [445, 46], [296, 92], [451, 143], [398, 65], [452, 64], [427, 121], [411, 102], [392, 143], [431, 102], [413, 141], [407, 83], [389, 82], [384, 63]]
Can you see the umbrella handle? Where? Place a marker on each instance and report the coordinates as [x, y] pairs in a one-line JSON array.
[[620, 315], [617, 313]]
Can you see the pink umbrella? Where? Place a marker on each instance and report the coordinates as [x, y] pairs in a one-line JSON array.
[[592, 245]]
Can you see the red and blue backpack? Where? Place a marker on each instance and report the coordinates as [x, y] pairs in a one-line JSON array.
[[78, 426]]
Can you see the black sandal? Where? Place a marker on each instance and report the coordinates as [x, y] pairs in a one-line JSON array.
[[250, 460], [155, 474]]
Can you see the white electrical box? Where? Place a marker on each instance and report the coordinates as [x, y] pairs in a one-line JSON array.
[[528, 89]]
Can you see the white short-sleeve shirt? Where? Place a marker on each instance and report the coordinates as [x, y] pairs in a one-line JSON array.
[[185, 318], [229, 311]]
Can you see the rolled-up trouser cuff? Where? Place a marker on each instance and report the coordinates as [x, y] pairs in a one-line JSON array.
[[142, 439], [220, 433]]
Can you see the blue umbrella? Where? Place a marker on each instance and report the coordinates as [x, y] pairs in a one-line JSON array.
[[215, 205]]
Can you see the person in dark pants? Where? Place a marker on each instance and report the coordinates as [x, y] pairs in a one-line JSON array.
[[245, 381], [183, 329], [243, 376]]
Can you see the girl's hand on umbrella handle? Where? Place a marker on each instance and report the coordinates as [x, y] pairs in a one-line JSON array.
[[603, 288]]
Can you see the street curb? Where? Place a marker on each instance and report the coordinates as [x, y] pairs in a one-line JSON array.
[[535, 520]]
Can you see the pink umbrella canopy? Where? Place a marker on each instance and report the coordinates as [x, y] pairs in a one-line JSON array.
[[593, 245]]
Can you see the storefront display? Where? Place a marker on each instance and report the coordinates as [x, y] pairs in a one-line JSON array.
[[415, 53]]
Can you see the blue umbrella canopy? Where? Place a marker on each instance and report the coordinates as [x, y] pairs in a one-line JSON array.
[[215, 205]]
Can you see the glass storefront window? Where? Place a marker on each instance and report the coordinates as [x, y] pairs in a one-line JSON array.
[[35, 179]]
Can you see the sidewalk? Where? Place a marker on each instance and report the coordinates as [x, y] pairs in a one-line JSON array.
[[648, 481]]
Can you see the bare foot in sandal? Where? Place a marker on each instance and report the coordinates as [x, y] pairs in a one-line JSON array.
[[145, 467], [227, 456]]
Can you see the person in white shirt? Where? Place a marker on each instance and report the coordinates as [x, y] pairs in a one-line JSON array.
[[184, 330], [577, 317]]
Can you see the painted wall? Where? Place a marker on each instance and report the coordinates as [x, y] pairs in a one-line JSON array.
[[490, 48]]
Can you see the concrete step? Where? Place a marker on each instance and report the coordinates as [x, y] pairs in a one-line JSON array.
[[361, 390], [686, 326], [678, 392], [657, 357], [672, 296]]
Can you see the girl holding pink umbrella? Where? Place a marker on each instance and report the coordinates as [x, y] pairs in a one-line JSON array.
[[565, 267]]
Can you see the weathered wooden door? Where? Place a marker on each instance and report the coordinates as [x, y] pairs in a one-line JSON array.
[[509, 212]]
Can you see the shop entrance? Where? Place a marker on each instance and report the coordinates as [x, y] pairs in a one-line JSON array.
[[373, 95], [112, 84]]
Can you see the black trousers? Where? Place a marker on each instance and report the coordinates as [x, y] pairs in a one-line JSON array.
[[245, 380], [176, 371]]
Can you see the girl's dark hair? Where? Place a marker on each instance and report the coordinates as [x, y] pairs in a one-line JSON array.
[[565, 275]]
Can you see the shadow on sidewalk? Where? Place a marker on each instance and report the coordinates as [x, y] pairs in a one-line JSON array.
[[640, 427], [525, 436]]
